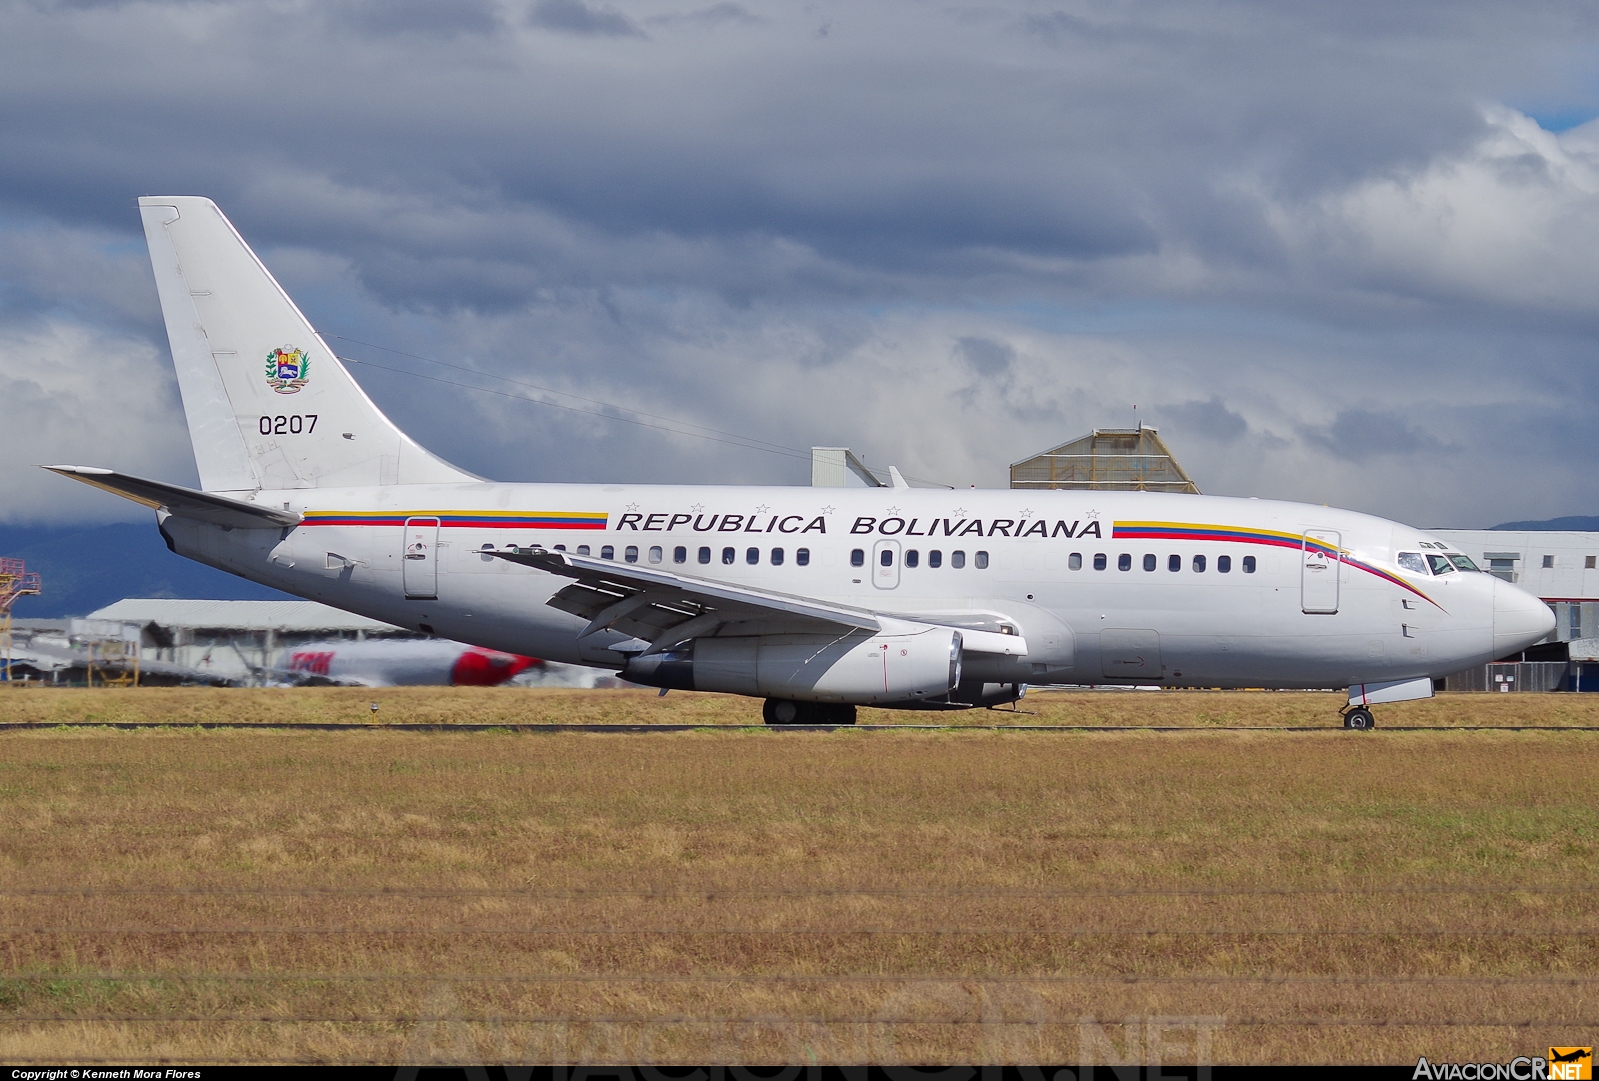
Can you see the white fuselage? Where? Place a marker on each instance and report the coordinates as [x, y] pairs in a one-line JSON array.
[[1284, 613]]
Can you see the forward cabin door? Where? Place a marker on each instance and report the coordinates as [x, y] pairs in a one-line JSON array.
[[421, 562], [1319, 570]]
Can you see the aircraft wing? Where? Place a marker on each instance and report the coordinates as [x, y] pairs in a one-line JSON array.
[[180, 501], [665, 608]]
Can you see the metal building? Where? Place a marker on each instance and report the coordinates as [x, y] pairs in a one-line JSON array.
[[1106, 460]]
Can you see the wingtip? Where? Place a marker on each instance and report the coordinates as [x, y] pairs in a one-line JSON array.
[[89, 470]]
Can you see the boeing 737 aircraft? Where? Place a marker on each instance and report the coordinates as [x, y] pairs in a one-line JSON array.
[[817, 600]]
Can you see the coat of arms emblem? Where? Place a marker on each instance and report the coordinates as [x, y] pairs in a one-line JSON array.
[[287, 369]]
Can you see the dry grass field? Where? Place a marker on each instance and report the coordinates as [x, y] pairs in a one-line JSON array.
[[913, 896], [513, 706]]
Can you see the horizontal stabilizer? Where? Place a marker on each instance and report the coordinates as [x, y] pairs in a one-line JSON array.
[[179, 501]]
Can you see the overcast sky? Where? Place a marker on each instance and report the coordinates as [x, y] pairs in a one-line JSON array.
[[1342, 253]]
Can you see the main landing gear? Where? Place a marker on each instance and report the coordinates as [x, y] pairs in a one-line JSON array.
[[786, 711], [1359, 719]]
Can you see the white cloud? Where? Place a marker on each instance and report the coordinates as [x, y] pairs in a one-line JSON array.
[[76, 396], [1512, 221]]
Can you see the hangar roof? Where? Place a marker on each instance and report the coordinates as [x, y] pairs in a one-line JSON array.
[[1106, 460]]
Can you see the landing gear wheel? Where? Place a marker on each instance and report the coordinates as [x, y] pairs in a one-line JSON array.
[[785, 711], [781, 711], [836, 714], [1360, 719]]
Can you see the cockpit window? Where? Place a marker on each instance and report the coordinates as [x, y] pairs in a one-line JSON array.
[[1412, 561], [1463, 562], [1440, 564]]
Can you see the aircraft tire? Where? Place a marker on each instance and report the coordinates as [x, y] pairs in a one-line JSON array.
[[778, 711], [1360, 719], [782, 711]]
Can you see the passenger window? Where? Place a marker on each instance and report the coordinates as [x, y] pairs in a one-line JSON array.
[[1124, 562], [1174, 563], [705, 555], [802, 556], [1199, 564], [1412, 561], [857, 558], [1249, 564], [777, 557], [728, 555], [582, 549], [630, 553], [609, 552], [982, 561], [655, 554], [1462, 562], [679, 554], [1149, 561], [1075, 561], [1099, 561], [560, 547], [886, 557], [1224, 564], [912, 558], [752, 556], [935, 559], [957, 559], [1440, 565]]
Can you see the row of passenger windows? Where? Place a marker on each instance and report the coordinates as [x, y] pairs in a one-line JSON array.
[[913, 558], [752, 556], [1124, 562]]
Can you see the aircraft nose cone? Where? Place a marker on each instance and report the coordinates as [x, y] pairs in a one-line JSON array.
[[1520, 619]]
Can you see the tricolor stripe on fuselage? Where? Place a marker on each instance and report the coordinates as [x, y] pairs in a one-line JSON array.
[[1244, 535], [457, 519]]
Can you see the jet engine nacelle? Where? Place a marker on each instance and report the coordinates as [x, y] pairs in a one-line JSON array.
[[857, 668]]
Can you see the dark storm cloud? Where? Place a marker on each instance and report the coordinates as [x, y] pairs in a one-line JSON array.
[[986, 357], [1209, 419], [1359, 435], [715, 211], [576, 17], [435, 18]]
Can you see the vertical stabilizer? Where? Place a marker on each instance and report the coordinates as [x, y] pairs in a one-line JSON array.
[[268, 404]]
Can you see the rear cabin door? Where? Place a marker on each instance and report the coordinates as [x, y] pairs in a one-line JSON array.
[[885, 564], [421, 562], [1320, 567]]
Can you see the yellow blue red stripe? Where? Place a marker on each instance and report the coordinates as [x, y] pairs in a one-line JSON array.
[[462, 519], [1271, 538]]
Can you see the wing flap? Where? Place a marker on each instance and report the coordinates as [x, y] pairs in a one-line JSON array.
[[663, 607]]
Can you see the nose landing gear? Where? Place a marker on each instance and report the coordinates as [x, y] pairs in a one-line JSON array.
[[786, 711], [1359, 719]]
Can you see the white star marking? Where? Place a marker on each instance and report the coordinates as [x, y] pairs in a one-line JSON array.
[[893, 510], [762, 509], [960, 512], [696, 508], [632, 506], [828, 510]]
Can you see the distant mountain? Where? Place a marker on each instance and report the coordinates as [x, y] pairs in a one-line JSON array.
[[88, 568], [1576, 523]]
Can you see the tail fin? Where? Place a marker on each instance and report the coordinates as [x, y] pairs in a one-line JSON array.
[[268, 404]]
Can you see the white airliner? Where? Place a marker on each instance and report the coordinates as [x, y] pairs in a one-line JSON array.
[[403, 662], [817, 600]]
